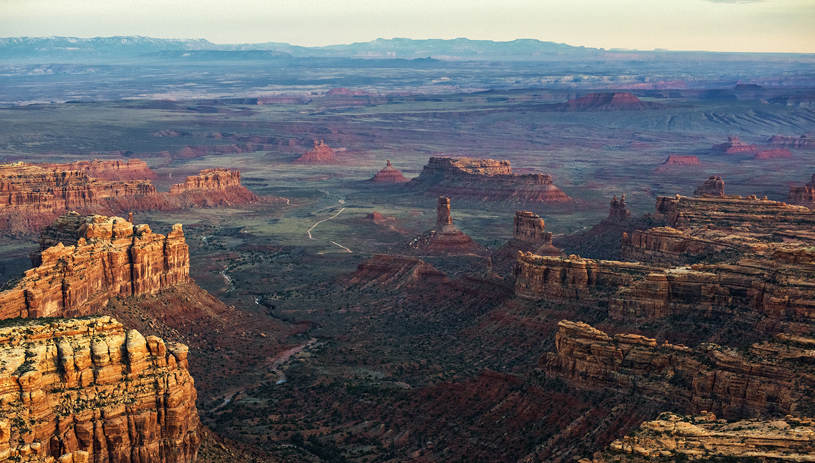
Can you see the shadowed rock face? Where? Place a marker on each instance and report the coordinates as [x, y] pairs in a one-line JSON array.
[[803, 195], [485, 180], [617, 210], [104, 257], [713, 186], [90, 391], [773, 379], [389, 175], [321, 154]]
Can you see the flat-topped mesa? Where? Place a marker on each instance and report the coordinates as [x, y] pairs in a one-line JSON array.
[[713, 186], [803, 195], [485, 180], [209, 179], [617, 211], [133, 169], [389, 174], [675, 162], [678, 437], [802, 142], [734, 146], [105, 257], [769, 381], [87, 390], [321, 154], [607, 102], [774, 154]]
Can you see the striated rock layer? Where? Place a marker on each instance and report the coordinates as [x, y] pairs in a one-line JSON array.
[[529, 235], [802, 142], [485, 180], [133, 169], [86, 260], [87, 390], [211, 187], [772, 378], [677, 437], [389, 174], [321, 154]]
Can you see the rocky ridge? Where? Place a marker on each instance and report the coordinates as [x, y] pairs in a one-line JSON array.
[[104, 257], [87, 390], [485, 180], [802, 142]]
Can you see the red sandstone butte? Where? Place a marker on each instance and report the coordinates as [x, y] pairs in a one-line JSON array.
[[321, 154], [713, 186], [735, 146], [802, 142], [389, 174], [607, 102], [485, 180], [677, 161], [774, 154]]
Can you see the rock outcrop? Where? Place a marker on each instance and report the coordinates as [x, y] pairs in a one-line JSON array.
[[802, 143], [734, 146], [389, 174], [529, 235], [86, 260], [208, 179], [710, 377], [87, 390], [607, 102], [803, 195], [617, 210], [321, 154], [713, 186], [485, 180], [133, 169], [676, 162], [394, 272], [444, 238], [678, 437], [211, 187]]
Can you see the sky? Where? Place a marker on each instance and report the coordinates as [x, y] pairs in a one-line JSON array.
[[712, 25]]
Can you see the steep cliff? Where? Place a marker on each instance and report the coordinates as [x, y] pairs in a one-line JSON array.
[[87, 390], [485, 180], [133, 169], [104, 257], [211, 187], [677, 437], [773, 378], [803, 195]]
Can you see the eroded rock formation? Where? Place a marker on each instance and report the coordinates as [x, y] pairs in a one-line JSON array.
[[394, 272], [617, 210], [444, 238], [803, 195], [485, 180], [86, 260], [673, 436], [389, 174], [321, 154], [734, 146], [774, 154], [529, 235], [607, 102], [709, 377], [211, 187], [675, 162], [133, 169], [87, 390], [802, 142], [713, 186]]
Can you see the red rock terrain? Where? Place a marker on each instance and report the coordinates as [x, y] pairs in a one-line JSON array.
[[394, 272], [803, 195], [607, 102], [774, 154], [444, 238], [321, 154], [211, 187], [389, 175], [676, 161], [104, 257], [87, 390], [485, 180], [734, 146], [528, 235], [713, 186], [133, 169], [802, 142]]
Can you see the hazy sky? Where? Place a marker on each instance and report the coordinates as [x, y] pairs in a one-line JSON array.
[[717, 25]]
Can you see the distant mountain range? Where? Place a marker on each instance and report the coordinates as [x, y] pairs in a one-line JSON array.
[[105, 48]]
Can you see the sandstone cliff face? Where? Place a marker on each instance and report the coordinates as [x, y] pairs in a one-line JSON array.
[[617, 210], [713, 186], [724, 381], [389, 174], [209, 179], [735, 146], [485, 180], [211, 187], [803, 195], [672, 246], [87, 390], [105, 257], [529, 228], [529, 235], [133, 169], [321, 154], [672, 436]]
